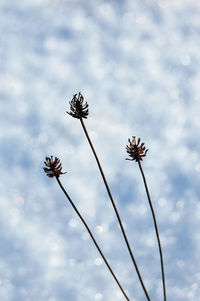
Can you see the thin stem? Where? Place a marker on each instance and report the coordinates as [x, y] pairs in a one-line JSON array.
[[91, 235], [156, 228], [115, 209]]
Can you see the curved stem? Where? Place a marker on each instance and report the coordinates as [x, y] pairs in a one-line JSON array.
[[91, 235], [156, 229], [116, 211]]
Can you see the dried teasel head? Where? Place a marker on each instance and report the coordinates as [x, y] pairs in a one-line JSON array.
[[54, 167], [136, 150], [78, 109]]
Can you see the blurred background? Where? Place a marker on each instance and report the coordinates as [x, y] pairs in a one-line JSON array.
[[137, 65]]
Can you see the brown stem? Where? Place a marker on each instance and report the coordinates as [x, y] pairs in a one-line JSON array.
[[116, 211], [91, 235], [156, 228]]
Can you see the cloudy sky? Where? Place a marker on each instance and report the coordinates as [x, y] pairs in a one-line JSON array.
[[137, 65]]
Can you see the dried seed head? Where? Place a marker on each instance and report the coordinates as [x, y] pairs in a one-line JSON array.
[[54, 167], [78, 109], [136, 150]]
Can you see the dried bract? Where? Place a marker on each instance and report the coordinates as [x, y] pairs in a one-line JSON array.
[[54, 167], [136, 150], [78, 109]]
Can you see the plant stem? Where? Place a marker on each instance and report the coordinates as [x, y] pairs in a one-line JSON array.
[[91, 235], [115, 209], [156, 229]]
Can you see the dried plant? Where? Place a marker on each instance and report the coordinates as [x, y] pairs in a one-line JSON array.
[[80, 110], [54, 170], [137, 151]]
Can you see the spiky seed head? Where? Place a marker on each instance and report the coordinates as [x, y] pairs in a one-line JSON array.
[[53, 167], [78, 109], [136, 150]]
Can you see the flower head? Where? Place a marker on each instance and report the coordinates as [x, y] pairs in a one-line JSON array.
[[78, 109], [136, 150], [54, 167]]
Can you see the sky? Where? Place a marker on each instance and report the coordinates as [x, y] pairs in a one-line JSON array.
[[137, 65]]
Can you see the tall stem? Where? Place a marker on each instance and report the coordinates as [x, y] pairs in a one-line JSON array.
[[91, 235], [115, 209], [156, 229]]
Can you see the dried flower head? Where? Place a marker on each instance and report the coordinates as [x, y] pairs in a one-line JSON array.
[[135, 150], [78, 109], [54, 167]]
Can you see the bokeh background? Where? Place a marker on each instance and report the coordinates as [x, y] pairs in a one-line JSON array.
[[137, 64]]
